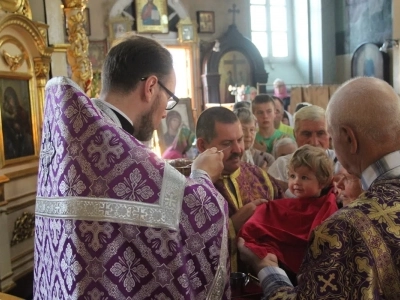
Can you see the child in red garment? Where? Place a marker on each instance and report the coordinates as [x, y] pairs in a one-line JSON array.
[[283, 226]]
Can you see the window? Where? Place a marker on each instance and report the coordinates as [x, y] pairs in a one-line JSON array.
[[183, 69], [269, 28]]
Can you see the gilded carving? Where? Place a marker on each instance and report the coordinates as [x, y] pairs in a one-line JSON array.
[[42, 67], [24, 228], [77, 54], [30, 28], [42, 29], [75, 3], [21, 7], [13, 61]]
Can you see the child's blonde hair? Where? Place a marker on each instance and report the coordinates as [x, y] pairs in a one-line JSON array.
[[315, 159]]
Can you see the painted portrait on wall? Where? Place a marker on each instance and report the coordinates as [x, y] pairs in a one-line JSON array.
[[151, 16], [16, 119]]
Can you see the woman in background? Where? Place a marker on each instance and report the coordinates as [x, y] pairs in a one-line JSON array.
[[249, 126], [281, 92]]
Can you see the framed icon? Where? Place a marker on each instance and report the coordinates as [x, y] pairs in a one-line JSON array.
[[118, 26], [151, 16], [206, 21], [186, 31]]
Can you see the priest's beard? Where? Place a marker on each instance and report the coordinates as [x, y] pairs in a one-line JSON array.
[[146, 127]]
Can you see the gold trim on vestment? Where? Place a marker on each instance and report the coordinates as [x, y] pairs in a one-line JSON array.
[[269, 184], [384, 264]]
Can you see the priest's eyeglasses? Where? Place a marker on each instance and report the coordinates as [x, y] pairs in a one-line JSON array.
[[172, 101]]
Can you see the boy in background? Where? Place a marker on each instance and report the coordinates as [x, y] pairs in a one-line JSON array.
[[264, 109]]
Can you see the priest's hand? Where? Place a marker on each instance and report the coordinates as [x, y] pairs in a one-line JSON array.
[[210, 161], [253, 260], [244, 213]]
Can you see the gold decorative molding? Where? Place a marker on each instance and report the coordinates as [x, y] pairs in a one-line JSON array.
[[77, 54], [61, 47], [75, 3], [31, 28], [13, 61], [24, 228], [42, 29], [42, 67], [21, 7]]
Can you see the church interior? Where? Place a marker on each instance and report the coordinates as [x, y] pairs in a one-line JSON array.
[[220, 48]]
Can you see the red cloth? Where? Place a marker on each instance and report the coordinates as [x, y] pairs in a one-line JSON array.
[[283, 226]]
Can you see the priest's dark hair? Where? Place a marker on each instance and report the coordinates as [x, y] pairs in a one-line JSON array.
[[132, 58], [205, 127]]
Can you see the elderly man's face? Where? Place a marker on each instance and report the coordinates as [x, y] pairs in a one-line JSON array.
[[313, 133], [348, 187], [229, 136]]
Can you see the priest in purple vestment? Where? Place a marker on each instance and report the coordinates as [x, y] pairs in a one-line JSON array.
[[113, 220], [355, 253]]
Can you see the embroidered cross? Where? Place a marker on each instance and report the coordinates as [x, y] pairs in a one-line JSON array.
[[387, 215], [161, 240], [140, 214], [95, 230], [104, 150], [327, 283]]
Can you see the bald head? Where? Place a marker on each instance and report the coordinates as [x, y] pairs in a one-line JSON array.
[[368, 105], [363, 121]]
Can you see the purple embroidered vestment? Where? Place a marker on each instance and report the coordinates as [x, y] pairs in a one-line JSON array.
[[113, 221]]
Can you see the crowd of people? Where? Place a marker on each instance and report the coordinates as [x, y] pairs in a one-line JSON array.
[[311, 210]]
